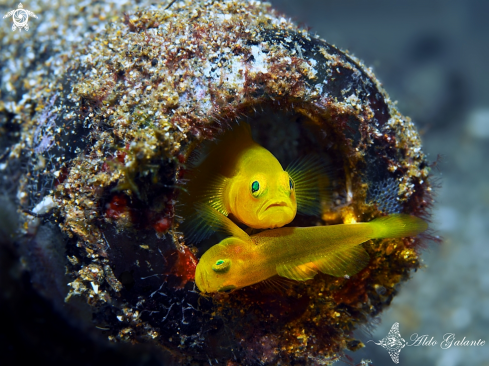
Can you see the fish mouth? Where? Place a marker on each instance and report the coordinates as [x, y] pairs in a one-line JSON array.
[[273, 211], [227, 289], [277, 204]]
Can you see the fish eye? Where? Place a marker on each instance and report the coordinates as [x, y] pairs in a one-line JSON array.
[[291, 183], [221, 266], [255, 187]]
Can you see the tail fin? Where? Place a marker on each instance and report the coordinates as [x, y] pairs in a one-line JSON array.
[[397, 226]]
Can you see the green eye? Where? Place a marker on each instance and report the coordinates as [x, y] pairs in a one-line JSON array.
[[222, 266], [255, 186], [291, 184]]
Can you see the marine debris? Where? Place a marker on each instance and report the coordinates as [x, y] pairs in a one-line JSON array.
[[99, 131]]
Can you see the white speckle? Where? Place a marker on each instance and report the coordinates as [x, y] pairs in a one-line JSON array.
[[10, 106], [299, 50], [200, 90], [236, 75], [310, 67], [223, 17], [45, 205], [183, 98], [95, 287], [21, 195], [207, 70], [86, 58], [259, 64], [353, 100]]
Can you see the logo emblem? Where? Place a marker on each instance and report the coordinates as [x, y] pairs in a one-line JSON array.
[[20, 17], [393, 343]]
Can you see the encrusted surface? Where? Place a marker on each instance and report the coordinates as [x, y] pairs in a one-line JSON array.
[[103, 149]]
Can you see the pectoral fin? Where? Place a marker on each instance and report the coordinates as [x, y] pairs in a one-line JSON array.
[[216, 221], [196, 229], [310, 176], [214, 194], [195, 226], [277, 283], [347, 262], [301, 272]]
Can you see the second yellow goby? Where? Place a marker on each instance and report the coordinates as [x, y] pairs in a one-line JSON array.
[[297, 253]]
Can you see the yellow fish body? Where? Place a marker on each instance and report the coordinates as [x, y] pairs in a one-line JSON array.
[[297, 253], [258, 193], [243, 180]]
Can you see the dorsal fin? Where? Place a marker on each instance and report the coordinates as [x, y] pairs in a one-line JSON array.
[[218, 222], [310, 176], [346, 262]]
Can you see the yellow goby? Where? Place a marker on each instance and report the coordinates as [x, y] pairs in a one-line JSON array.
[[297, 253], [243, 180]]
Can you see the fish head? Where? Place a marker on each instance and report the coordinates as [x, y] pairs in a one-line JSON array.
[[263, 194], [223, 267]]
